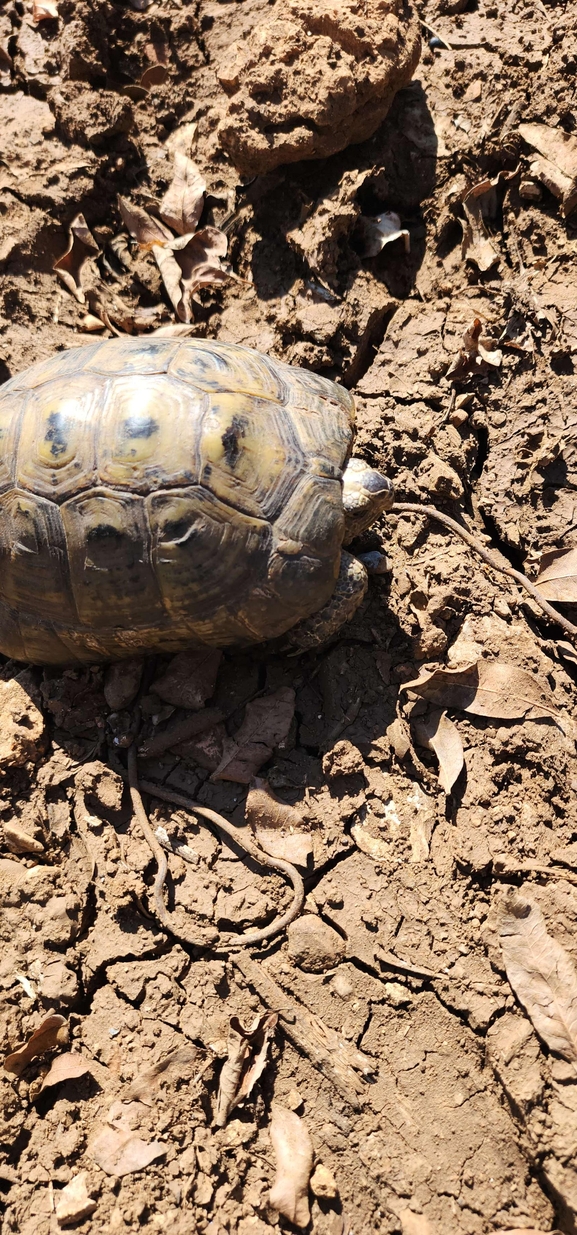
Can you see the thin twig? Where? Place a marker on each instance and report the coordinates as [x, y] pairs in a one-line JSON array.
[[431, 512], [206, 939]]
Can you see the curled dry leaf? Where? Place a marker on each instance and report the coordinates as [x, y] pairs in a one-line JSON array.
[[477, 245], [557, 578], [247, 1056], [382, 230], [541, 973], [181, 206], [557, 168], [439, 734], [177, 1063], [44, 10], [279, 829], [73, 1203], [293, 1149], [265, 726], [475, 353], [51, 1032], [81, 247], [486, 688], [66, 1067]]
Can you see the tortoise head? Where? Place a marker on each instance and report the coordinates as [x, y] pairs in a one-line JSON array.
[[366, 494]]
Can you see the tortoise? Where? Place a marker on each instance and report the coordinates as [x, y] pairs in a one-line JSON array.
[[163, 494]]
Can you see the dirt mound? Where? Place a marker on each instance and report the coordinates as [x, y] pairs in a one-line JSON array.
[[313, 78]]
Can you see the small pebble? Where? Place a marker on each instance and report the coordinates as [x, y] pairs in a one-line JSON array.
[[324, 1184], [293, 1100], [313, 945], [435, 42]]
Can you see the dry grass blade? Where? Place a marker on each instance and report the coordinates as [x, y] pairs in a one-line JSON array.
[[487, 688], [81, 247], [541, 974], [557, 578], [440, 734], [293, 1149], [181, 206]]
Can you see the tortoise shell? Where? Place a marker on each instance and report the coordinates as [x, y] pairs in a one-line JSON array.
[[159, 494]]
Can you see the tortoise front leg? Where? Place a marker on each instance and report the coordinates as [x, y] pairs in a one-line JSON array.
[[350, 590]]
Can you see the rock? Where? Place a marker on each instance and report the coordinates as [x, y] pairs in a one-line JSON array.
[[313, 77], [343, 759], [313, 945], [19, 841], [121, 682], [21, 722], [190, 679], [324, 1184], [73, 1203]]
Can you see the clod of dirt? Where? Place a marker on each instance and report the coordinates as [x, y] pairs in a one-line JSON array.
[[74, 1203], [190, 679], [21, 722], [102, 787], [121, 682], [324, 1184], [312, 78], [313, 945], [293, 1149], [343, 759], [89, 117]]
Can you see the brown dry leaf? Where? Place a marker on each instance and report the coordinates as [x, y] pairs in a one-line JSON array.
[[486, 688], [181, 206], [279, 829], [52, 1031], [81, 247], [557, 578], [177, 1063], [475, 354], [44, 10], [293, 1149], [557, 168], [73, 1203], [118, 1151], [247, 1056], [66, 1067], [541, 973], [265, 726], [143, 227], [477, 245], [439, 734]]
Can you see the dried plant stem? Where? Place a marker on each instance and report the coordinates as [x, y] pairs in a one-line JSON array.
[[206, 939], [431, 512]]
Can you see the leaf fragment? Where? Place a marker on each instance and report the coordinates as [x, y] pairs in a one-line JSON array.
[[293, 1149], [66, 1067], [181, 206], [557, 168], [81, 248], [118, 1151], [489, 688], [265, 726], [44, 10], [73, 1203], [51, 1032], [557, 578], [381, 230], [175, 1064], [143, 227], [475, 354], [541, 973], [278, 828], [477, 245], [441, 735], [246, 1061]]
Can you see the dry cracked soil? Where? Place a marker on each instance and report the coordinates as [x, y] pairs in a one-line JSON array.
[[416, 1054]]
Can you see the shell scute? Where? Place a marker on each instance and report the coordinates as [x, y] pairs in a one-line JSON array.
[[149, 433], [137, 356], [250, 455], [225, 367], [56, 450]]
